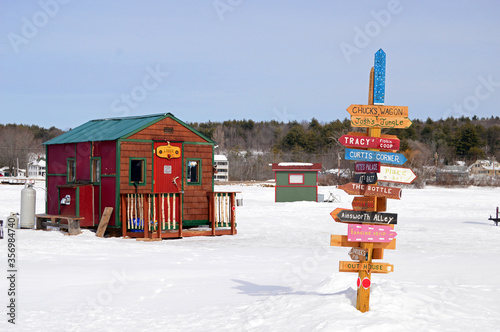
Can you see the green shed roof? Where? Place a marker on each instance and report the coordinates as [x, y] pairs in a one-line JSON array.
[[113, 128]]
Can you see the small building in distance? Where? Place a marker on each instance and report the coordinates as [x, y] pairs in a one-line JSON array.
[[454, 174], [222, 168], [36, 168], [296, 181], [485, 167]]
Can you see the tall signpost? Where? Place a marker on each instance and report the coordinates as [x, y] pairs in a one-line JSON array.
[[370, 230]]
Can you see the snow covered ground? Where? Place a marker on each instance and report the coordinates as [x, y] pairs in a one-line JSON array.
[[278, 274]]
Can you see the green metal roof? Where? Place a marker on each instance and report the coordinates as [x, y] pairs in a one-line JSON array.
[[113, 129]]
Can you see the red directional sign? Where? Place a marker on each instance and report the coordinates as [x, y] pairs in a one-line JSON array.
[[360, 140], [364, 203]]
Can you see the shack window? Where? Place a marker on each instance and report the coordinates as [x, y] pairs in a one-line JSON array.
[[137, 171], [95, 170], [71, 173], [296, 179], [193, 171]]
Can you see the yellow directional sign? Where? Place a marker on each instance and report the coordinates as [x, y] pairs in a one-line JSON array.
[[378, 110], [380, 121], [365, 266]]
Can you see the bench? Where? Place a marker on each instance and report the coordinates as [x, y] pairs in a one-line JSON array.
[[495, 220], [72, 223]]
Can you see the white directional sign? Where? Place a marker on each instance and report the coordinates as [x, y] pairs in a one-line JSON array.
[[396, 174]]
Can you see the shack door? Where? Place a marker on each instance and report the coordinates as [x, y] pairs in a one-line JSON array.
[[167, 167]]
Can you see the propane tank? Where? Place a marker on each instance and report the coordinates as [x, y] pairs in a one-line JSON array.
[[28, 201], [13, 220]]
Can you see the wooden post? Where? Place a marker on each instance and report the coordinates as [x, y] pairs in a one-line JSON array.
[[363, 295], [147, 216], [213, 222], [160, 214], [104, 221], [233, 213], [180, 215], [123, 218]]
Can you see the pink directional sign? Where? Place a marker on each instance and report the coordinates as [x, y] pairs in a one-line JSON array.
[[370, 233]]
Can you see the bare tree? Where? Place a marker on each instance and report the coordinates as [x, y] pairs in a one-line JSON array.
[[16, 144]]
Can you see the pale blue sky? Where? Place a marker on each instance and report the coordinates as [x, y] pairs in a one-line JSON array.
[[66, 62]]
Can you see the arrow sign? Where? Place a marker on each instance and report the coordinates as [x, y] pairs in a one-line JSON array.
[[367, 166], [369, 190], [358, 254], [396, 175], [367, 142], [364, 203], [341, 241], [365, 266], [383, 157], [368, 233], [367, 178], [350, 216], [378, 110], [380, 121], [384, 142]]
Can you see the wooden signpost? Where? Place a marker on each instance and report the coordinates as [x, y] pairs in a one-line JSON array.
[[370, 231]]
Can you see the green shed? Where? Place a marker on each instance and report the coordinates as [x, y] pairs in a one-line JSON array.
[[296, 181]]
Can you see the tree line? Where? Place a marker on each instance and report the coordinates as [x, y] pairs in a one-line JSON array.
[[19, 142], [251, 146]]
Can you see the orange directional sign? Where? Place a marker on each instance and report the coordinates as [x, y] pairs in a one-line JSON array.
[[378, 110], [371, 190], [380, 121], [370, 267]]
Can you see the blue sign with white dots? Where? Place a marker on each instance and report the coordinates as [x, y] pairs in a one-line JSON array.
[[379, 79]]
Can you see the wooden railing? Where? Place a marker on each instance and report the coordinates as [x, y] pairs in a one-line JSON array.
[[151, 214], [222, 211]]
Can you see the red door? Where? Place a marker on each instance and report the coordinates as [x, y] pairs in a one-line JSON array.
[[167, 167]]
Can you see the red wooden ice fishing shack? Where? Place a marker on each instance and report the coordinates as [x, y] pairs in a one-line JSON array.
[[155, 171]]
